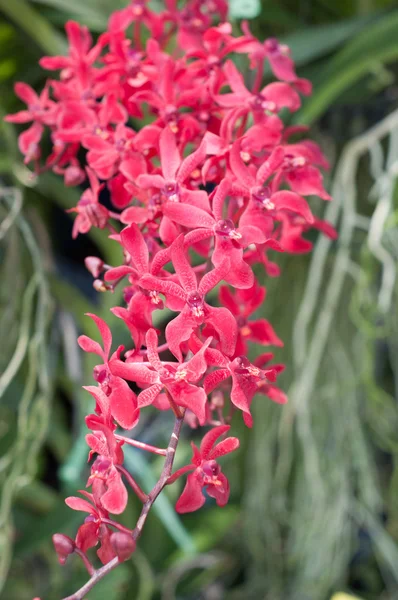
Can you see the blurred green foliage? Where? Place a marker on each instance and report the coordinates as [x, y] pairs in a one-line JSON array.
[[314, 504]]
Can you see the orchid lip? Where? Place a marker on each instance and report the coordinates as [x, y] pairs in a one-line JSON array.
[[226, 228]]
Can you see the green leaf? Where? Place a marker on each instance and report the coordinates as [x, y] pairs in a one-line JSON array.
[[93, 16], [214, 524], [61, 518], [7, 69], [374, 45], [314, 42], [70, 472], [37, 496], [36, 27], [274, 14]]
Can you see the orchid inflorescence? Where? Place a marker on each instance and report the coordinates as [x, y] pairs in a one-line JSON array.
[[212, 175]]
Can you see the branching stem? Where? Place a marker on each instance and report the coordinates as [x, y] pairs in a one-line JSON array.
[[141, 445], [99, 574]]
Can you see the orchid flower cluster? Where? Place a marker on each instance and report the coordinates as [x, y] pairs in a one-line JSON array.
[[201, 194]]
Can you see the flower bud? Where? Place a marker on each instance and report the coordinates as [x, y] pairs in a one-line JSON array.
[[123, 544], [74, 175], [100, 286], [94, 265], [64, 546]]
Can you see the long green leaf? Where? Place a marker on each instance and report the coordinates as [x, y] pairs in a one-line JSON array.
[[93, 16], [376, 45], [34, 25], [314, 42]]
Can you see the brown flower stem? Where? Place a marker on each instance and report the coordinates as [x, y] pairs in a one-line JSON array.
[[177, 410], [99, 574], [132, 483], [165, 474], [90, 568], [141, 445], [118, 526], [96, 577]]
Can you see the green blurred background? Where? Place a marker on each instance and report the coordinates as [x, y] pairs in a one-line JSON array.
[[314, 507]]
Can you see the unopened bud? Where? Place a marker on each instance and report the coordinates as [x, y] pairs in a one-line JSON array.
[[64, 545], [94, 265], [123, 544], [74, 175], [100, 286]]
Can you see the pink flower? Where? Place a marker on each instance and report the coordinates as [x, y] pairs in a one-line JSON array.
[[246, 378], [40, 109], [113, 396], [272, 98], [242, 304], [81, 55], [93, 530], [230, 241], [206, 472], [90, 213], [108, 488], [265, 201], [189, 297], [177, 379], [175, 172]]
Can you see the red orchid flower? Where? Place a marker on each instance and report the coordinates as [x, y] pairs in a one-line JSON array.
[[230, 241], [277, 54], [245, 379], [167, 99], [141, 302], [195, 19], [102, 440], [93, 530], [207, 472], [90, 213], [242, 304], [116, 397], [108, 488], [265, 201], [272, 98], [189, 297], [177, 379], [40, 108], [292, 229], [81, 57], [265, 387], [175, 171]]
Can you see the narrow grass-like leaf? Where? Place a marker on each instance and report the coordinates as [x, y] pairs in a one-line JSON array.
[[34, 25]]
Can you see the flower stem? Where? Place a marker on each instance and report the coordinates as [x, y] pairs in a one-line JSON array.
[[86, 561], [166, 472], [141, 445], [133, 484], [116, 525]]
